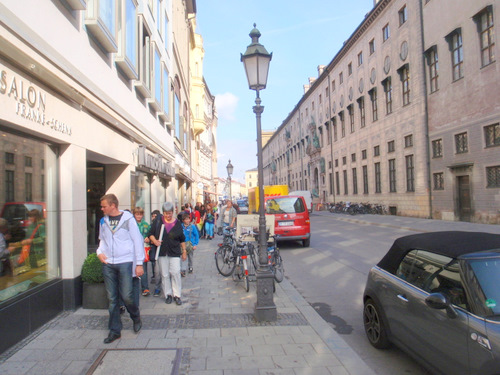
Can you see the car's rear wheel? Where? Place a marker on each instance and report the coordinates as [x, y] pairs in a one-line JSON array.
[[306, 243], [375, 329]]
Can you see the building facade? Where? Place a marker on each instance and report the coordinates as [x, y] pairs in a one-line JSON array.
[[94, 99], [204, 134], [365, 127]]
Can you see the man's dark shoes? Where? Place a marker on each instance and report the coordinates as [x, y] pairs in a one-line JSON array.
[[112, 337], [178, 301], [169, 299], [137, 325]]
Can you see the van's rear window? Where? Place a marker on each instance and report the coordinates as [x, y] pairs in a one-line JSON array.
[[285, 205]]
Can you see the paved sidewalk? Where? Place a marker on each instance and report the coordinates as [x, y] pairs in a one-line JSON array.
[[212, 333]]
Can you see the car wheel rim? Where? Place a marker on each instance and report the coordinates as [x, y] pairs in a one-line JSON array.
[[372, 323]]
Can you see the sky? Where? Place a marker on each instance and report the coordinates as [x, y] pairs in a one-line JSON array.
[[301, 36]]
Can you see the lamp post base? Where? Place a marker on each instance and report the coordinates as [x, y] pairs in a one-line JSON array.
[[265, 309]]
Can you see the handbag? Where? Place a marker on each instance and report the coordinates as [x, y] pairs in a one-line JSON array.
[[189, 247], [147, 247], [25, 251]]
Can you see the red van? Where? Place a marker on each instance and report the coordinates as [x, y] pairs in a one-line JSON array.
[[291, 218]]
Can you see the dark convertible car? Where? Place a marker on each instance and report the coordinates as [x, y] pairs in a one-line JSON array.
[[437, 296]]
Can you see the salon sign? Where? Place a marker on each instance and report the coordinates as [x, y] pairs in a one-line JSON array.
[[28, 101]]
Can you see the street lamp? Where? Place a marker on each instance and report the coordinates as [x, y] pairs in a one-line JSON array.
[[229, 168], [256, 60]]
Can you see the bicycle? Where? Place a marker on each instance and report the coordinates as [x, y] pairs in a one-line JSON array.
[[226, 255], [274, 260]]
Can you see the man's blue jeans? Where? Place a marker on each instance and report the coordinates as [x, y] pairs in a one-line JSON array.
[[118, 282]]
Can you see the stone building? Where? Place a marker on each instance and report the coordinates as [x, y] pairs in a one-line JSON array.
[[365, 127]]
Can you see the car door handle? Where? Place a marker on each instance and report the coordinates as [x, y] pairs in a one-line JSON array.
[[402, 298]]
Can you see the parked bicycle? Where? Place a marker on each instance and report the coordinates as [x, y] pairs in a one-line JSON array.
[[274, 259], [231, 258]]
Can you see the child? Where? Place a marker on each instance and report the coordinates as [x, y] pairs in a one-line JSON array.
[[192, 239], [144, 229]]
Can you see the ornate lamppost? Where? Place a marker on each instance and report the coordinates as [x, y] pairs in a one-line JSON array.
[[229, 168], [256, 60]]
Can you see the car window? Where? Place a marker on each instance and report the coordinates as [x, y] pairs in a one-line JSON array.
[[285, 205], [486, 273], [434, 273]]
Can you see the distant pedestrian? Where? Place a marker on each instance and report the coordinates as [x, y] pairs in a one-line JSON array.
[[144, 229], [209, 222], [167, 234], [227, 215], [121, 250], [192, 239], [156, 274]]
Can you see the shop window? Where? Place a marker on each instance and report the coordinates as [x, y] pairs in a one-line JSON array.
[[100, 21], [29, 217]]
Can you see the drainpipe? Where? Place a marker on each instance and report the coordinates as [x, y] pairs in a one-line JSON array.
[[426, 113]]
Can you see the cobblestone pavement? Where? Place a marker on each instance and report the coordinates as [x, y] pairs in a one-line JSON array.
[[212, 332]]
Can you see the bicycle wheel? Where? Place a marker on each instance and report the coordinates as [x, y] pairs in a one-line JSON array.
[[224, 260], [278, 269], [247, 283]]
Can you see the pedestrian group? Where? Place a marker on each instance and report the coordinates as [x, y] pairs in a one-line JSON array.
[[127, 243]]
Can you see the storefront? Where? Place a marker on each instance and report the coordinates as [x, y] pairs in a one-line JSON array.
[[57, 159]]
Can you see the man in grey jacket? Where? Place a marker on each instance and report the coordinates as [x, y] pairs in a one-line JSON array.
[[121, 250]]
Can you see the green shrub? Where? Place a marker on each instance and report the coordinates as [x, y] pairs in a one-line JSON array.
[[92, 270]]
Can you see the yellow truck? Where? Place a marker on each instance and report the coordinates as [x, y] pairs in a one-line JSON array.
[[269, 191]]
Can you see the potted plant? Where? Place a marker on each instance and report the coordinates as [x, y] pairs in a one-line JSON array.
[[94, 291]]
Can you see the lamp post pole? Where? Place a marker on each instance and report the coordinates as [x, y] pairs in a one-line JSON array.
[[265, 309], [256, 60], [229, 168]]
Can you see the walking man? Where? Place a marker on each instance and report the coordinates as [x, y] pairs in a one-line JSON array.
[[121, 250]]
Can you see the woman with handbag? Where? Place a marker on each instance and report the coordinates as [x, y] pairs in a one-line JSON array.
[[168, 236], [192, 240]]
